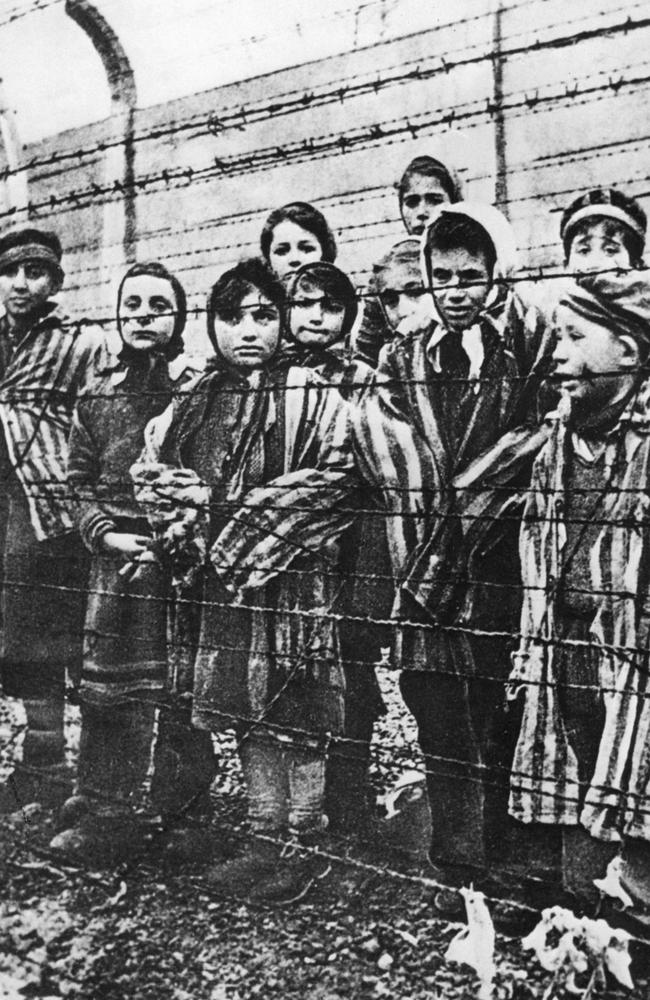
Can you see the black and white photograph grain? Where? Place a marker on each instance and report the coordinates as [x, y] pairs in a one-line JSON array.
[[324, 500]]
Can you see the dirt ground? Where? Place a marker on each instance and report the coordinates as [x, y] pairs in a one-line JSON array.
[[146, 931]]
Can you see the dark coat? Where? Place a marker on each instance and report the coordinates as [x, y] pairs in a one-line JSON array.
[[125, 628]]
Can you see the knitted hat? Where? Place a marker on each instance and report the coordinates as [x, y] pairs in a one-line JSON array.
[[621, 303], [407, 252], [611, 204], [21, 245]]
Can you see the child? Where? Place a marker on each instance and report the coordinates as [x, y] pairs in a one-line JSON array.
[[293, 235], [44, 362], [423, 187], [442, 396], [602, 230], [581, 667], [457, 385], [269, 668], [322, 310], [125, 656]]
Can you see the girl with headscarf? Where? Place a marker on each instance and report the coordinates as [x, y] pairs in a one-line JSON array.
[[322, 308], [441, 396], [269, 666], [125, 655]]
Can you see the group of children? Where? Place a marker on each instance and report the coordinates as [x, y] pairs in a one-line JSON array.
[[453, 471]]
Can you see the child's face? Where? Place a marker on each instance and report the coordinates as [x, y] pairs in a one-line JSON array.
[[404, 298], [316, 318], [594, 364], [597, 246], [251, 338], [291, 247], [461, 283], [25, 287], [419, 200], [147, 312]]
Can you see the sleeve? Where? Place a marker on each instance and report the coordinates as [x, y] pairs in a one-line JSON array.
[[90, 355], [373, 333], [299, 513], [83, 472]]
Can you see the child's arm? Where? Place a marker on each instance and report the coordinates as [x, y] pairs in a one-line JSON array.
[[96, 525], [298, 513]]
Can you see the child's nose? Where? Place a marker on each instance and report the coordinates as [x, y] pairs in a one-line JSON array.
[[248, 327]]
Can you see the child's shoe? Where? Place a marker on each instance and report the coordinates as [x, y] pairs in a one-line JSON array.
[[241, 874], [189, 844], [73, 809], [50, 785], [295, 874], [103, 838]]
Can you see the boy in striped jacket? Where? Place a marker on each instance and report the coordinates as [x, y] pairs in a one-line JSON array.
[[45, 360]]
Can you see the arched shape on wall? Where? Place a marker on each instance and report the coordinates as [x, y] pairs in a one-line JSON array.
[[121, 81], [119, 72]]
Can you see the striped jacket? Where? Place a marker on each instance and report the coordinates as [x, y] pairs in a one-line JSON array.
[[47, 370], [389, 437], [544, 783]]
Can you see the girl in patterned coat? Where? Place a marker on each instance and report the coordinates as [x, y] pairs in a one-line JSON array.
[[267, 666], [582, 665], [322, 308], [125, 655]]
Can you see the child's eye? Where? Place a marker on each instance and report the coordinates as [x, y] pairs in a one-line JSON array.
[[390, 299], [160, 306], [413, 293], [281, 249], [611, 249], [263, 315], [441, 276], [131, 303], [33, 272], [471, 277], [412, 200], [307, 248], [332, 306]]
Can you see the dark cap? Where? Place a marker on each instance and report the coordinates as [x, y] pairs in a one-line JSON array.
[[20, 245]]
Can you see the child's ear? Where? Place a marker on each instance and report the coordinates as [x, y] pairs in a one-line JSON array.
[[630, 353]]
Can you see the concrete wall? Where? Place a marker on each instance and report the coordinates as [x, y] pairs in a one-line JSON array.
[[567, 124]]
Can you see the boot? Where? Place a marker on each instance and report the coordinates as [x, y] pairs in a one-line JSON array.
[[299, 867], [239, 875], [50, 785], [103, 838]]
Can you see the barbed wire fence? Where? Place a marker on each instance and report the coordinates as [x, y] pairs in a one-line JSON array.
[[594, 88]]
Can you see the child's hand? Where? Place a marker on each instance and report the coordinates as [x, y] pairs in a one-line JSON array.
[[123, 543]]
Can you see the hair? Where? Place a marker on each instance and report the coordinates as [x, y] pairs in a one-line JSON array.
[[307, 217], [333, 282], [459, 232], [633, 242], [428, 166], [158, 270], [407, 252], [225, 296]]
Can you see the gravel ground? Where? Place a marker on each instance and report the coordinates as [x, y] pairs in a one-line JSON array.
[[144, 931]]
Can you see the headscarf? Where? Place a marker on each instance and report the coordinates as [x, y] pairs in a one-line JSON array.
[[498, 230], [334, 281], [129, 356]]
